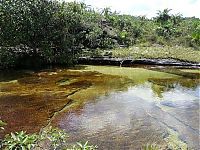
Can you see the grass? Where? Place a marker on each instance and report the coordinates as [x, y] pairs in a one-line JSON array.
[[191, 71], [153, 52]]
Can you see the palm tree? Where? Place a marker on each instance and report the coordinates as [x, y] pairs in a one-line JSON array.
[[163, 16]]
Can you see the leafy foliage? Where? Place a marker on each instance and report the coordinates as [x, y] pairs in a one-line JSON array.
[[55, 136], [54, 31], [196, 33], [20, 141], [167, 24], [84, 146], [56, 139]]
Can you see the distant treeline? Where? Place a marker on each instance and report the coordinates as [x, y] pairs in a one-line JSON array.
[[53, 32]]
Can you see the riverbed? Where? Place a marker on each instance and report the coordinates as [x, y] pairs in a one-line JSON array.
[[112, 107]]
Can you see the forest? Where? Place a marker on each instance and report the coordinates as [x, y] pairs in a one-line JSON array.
[[51, 32]]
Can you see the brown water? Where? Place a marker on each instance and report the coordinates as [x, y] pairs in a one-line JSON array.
[[112, 107]]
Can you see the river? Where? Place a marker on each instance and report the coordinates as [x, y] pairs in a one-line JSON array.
[[112, 107]]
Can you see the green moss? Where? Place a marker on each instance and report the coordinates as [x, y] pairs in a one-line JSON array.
[[138, 75]]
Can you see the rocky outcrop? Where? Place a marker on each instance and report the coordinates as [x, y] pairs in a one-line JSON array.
[[129, 62]]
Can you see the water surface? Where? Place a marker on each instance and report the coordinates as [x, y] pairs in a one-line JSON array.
[[112, 107]]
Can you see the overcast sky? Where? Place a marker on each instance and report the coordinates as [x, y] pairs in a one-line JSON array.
[[188, 8]]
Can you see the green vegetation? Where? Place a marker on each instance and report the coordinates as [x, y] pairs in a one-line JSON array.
[[177, 53], [187, 54], [56, 139], [20, 141], [52, 138], [38, 32], [174, 142], [138, 75]]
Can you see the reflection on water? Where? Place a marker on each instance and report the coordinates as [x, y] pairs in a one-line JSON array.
[[112, 107], [135, 117]]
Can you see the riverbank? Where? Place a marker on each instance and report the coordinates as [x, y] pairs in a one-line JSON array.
[[153, 55], [186, 54], [131, 62]]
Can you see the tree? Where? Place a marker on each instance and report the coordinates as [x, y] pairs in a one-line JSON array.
[[167, 23], [163, 16]]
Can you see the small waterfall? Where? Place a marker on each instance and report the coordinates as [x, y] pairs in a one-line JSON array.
[[121, 62]]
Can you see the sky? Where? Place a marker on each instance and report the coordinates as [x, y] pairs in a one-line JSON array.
[[149, 8]]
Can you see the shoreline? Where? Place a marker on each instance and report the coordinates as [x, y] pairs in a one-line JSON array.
[[127, 62]]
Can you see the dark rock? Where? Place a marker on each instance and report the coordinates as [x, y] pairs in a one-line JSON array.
[[129, 62]]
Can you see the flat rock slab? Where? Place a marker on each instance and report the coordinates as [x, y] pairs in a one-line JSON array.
[[128, 61]]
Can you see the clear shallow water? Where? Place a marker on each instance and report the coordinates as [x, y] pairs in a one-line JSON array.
[[128, 119], [112, 107]]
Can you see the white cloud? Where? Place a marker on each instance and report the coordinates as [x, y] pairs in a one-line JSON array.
[[188, 8]]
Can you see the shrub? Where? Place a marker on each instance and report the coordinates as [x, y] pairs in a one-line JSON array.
[[51, 138], [20, 141]]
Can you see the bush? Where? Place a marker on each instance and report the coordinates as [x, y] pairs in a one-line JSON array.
[[20, 141], [51, 138], [56, 31]]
